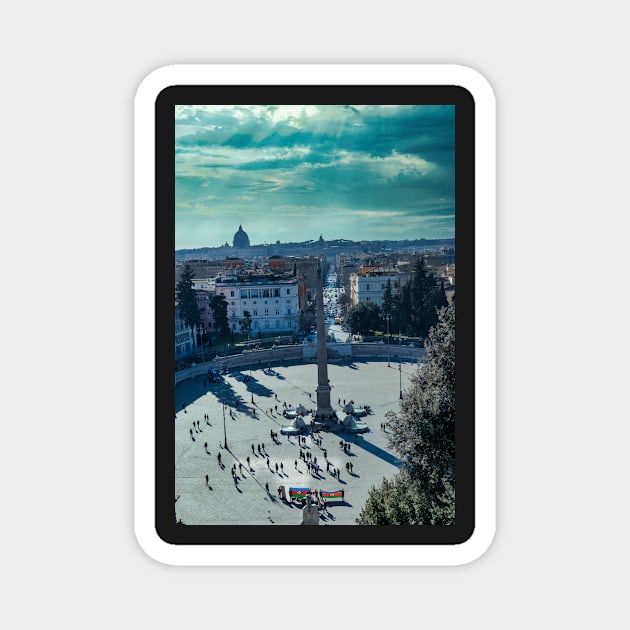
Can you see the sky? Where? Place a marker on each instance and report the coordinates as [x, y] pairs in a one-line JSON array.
[[292, 173]]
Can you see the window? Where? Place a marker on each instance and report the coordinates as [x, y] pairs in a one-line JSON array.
[[277, 311], [266, 311], [244, 293], [265, 293], [367, 286], [276, 293], [231, 293], [255, 312], [254, 293], [288, 291]]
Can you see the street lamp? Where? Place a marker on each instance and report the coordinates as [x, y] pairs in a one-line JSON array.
[[400, 374], [225, 445], [224, 431], [387, 318], [200, 331]]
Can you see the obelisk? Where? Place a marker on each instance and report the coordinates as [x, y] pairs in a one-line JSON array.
[[324, 410]]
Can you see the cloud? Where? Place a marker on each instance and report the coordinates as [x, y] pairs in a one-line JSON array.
[[377, 165]]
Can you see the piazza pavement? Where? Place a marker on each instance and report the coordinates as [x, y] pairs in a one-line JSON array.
[[221, 501]]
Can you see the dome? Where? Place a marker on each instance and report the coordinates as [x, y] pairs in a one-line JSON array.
[[240, 238]]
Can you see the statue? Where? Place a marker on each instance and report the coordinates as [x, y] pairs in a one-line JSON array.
[[310, 513]]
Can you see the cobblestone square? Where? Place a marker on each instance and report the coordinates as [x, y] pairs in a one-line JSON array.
[[221, 500]]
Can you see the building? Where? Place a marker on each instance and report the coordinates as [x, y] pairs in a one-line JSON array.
[[184, 341], [370, 283], [272, 301], [204, 292], [241, 240]]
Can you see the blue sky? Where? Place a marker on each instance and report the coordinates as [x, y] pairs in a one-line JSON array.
[[291, 173]]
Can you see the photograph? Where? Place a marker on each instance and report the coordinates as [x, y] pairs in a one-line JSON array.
[[314, 305]]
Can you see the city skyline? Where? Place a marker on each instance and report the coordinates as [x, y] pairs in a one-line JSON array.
[[293, 173]]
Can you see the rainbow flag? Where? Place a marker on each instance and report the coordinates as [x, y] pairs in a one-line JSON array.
[[335, 494], [299, 492]]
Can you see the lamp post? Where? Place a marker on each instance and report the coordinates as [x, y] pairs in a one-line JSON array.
[[200, 331], [224, 431], [400, 374], [387, 319], [225, 444]]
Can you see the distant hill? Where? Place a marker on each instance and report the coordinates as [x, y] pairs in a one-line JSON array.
[[312, 247]]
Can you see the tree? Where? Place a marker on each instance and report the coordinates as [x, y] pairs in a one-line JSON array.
[[388, 299], [417, 303], [307, 319], [218, 305], [363, 318], [423, 436], [188, 309], [246, 323], [402, 310]]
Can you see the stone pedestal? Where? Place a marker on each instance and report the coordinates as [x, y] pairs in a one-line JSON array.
[[310, 513], [324, 408]]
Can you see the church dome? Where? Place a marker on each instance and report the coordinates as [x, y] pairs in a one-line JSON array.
[[240, 238]]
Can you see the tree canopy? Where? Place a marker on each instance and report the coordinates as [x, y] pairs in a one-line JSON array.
[[423, 437], [246, 323], [417, 303], [218, 305], [363, 318], [188, 309]]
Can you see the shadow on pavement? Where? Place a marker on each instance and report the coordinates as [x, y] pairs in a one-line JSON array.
[[377, 451]]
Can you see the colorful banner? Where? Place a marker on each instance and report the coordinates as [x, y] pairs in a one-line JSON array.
[[299, 492], [336, 494]]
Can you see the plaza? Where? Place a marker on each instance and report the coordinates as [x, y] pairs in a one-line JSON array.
[[246, 408]]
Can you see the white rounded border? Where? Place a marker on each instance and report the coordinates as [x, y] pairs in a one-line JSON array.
[[485, 313]]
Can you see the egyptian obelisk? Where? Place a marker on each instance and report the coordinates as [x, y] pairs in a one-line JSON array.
[[324, 409]]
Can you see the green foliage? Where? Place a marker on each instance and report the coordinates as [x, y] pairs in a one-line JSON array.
[[423, 437], [418, 302], [388, 299], [246, 323], [307, 319], [218, 305], [363, 318], [401, 501], [188, 309]]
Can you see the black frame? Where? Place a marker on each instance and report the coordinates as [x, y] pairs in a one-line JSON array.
[[165, 524]]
